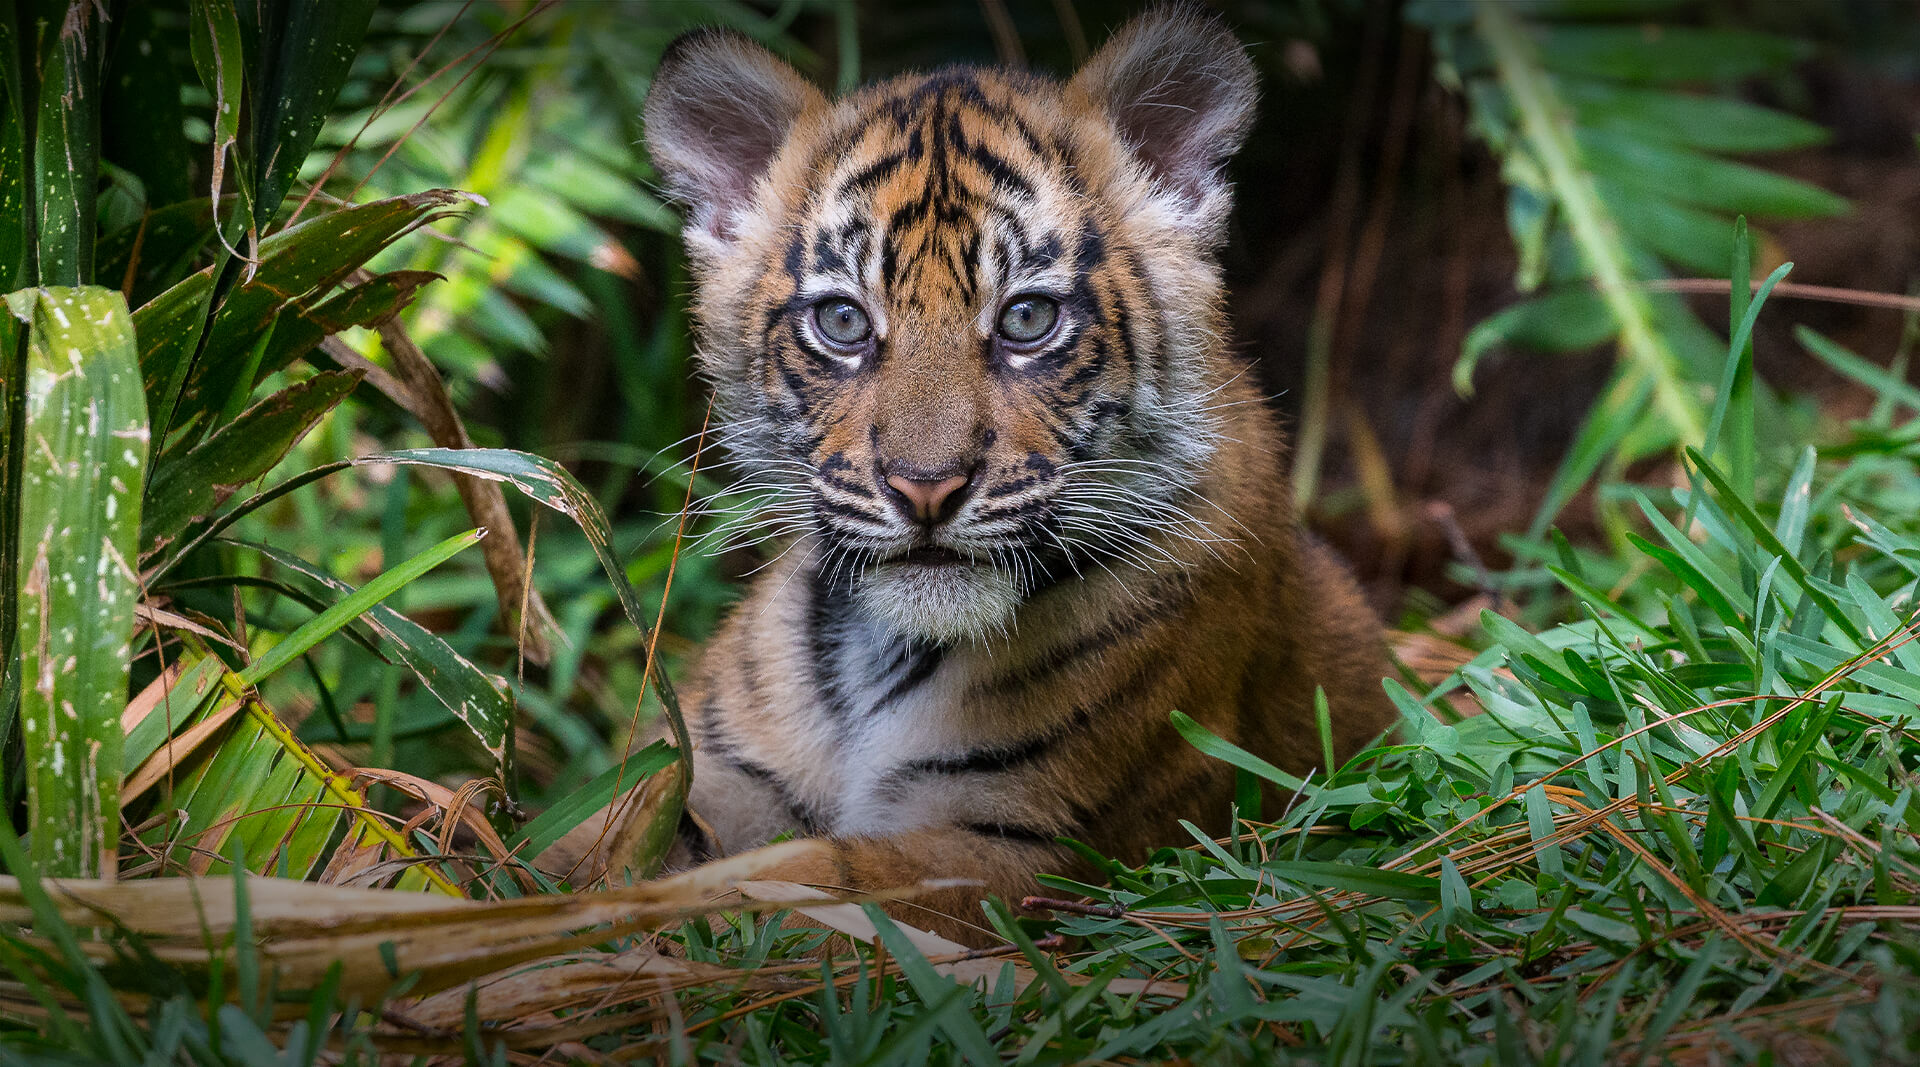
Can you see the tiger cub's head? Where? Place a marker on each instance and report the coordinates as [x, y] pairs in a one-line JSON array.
[[964, 326]]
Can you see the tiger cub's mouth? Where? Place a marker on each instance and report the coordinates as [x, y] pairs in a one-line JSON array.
[[932, 556]]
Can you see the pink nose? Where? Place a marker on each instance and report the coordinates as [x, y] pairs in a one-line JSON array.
[[927, 500]]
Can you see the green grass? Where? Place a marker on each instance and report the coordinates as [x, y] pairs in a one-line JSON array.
[[1684, 821]]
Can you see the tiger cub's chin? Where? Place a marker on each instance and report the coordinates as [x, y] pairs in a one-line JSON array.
[[943, 603]]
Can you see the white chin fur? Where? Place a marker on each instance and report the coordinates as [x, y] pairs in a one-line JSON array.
[[944, 604]]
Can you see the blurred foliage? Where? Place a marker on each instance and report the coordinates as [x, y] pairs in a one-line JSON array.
[[1612, 157]]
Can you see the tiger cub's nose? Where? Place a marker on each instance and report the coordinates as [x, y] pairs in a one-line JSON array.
[[929, 501]]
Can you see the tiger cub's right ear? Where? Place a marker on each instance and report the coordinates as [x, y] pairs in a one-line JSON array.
[[718, 111]]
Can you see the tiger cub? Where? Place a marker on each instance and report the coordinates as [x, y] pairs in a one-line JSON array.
[[966, 329]]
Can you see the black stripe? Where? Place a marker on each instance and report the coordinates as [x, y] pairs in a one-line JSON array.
[[1008, 488], [1012, 832], [999, 759], [826, 256], [866, 178], [717, 746], [824, 507], [700, 847], [798, 810], [1094, 641], [920, 660], [997, 170], [1004, 758], [823, 637]]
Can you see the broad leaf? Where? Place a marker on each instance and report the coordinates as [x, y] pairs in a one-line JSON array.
[[312, 257], [16, 211], [187, 486], [297, 56], [66, 149], [84, 452], [549, 483], [239, 775], [141, 118], [214, 33]]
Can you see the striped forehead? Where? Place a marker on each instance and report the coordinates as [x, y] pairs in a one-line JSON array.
[[942, 187]]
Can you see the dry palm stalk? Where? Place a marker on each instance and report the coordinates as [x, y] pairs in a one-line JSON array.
[[530, 962], [302, 928], [415, 385]]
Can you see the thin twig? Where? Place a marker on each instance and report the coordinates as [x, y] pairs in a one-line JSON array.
[[1830, 293]]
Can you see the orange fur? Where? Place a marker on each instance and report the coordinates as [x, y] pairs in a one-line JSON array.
[[944, 701]]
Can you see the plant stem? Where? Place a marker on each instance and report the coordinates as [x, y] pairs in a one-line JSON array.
[[1545, 124]]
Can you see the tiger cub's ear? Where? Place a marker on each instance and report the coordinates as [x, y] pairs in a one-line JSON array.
[[1181, 90], [718, 111]]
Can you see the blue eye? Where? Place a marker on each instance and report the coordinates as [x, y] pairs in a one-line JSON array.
[[842, 322], [1028, 319]]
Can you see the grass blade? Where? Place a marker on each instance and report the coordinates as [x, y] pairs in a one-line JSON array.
[[464, 689], [328, 622], [549, 483]]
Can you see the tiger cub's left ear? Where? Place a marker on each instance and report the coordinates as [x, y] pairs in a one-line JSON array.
[[1181, 90], [718, 111]]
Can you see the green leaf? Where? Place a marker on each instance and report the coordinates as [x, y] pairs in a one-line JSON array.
[[295, 265], [1645, 348], [550, 484], [1620, 409], [485, 707], [141, 116], [1707, 588], [556, 821], [16, 198], [1709, 123], [261, 790], [1693, 238], [1734, 398], [1665, 54], [1394, 885], [366, 304], [1566, 321], [165, 243], [213, 31], [1219, 748], [85, 441], [184, 700], [185, 487], [1742, 510], [297, 56], [325, 624], [1852, 366], [1796, 502], [1665, 172], [66, 149], [15, 337], [958, 1023]]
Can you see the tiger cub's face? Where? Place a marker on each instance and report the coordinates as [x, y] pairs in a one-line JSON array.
[[962, 326]]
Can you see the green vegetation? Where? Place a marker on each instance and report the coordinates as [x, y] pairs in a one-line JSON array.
[[269, 273]]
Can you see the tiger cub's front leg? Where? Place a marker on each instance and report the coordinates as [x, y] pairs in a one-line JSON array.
[[739, 802], [988, 866]]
